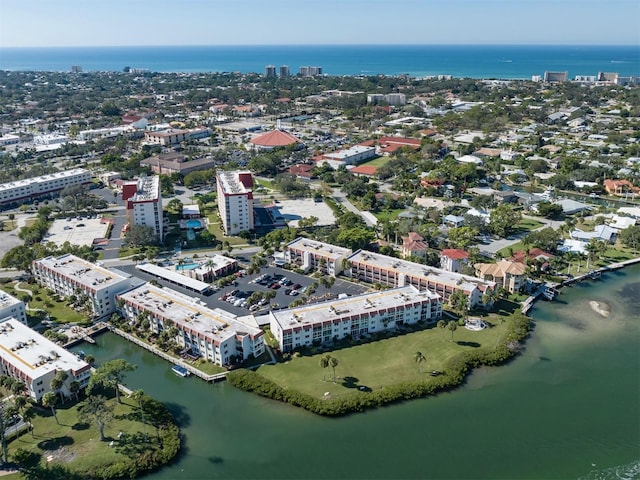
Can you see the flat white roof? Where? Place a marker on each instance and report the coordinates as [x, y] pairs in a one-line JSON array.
[[33, 354], [334, 309], [174, 277], [6, 300], [230, 182], [436, 275], [188, 312], [86, 273], [43, 178], [148, 189], [319, 248], [349, 152]]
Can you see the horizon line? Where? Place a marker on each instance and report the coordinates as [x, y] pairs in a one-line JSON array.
[[333, 45]]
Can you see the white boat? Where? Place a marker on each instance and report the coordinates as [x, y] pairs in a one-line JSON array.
[[180, 371]]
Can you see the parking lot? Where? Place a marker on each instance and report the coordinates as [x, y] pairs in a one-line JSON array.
[[77, 231], [245, 286]]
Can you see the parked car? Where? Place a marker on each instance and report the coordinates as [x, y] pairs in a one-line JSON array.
[[287, 291], [296, 286], [274, 286], [294, 293]]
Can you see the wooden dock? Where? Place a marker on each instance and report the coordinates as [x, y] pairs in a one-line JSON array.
[[176, 361], [590, 275]]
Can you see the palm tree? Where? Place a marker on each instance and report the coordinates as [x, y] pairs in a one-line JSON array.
[[419, 358], [57, 382], [453, 326], [333, 362], [324, 363], [49, 400], [28, 415], [442, 325]]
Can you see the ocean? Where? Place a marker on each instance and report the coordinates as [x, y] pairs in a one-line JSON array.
[[472, 61]]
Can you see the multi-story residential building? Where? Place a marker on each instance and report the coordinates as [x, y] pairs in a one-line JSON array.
[[284, 71], [235, 201], [313, 255], [30, 189], [308, 71], [34, 360], [355, 316], [215, 335], [10, 306], [69, 275], [413, 245], [270, 71], [144, 203], [505, 273], [376, 268]]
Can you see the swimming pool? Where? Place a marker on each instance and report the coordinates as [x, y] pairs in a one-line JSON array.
[[187, 266], [194, 223]]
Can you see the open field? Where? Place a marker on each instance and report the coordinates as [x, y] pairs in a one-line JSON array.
[[528, 225], [77, 445], [383, 362], [377, 162]]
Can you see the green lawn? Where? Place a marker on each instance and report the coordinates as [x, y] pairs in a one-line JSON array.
[[388, 215], [58, 311], [515, 247], [383, 362], [528, 224], [214, 228], [78, 446], [269, 185], [377, 162]]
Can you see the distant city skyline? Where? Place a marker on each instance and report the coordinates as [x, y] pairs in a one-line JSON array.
[[41, 23]]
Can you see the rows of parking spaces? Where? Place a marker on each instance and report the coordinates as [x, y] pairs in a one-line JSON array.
[[76, 230], [285, 286], [294, 210]]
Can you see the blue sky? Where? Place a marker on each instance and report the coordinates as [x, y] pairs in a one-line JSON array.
[[280, 22]]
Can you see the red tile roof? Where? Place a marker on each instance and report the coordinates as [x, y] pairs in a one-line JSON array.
[[364, 170], [455, 254], [275, 138]]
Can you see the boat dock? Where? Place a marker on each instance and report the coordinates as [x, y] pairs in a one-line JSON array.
[[550, 290], [85, 334], [176, 361]]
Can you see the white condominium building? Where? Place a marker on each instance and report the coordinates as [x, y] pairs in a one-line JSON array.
[[31, 188], [375, 268], [144, 203], [312, 255], [215, 335], [69, 275], [10, 306], [355, 316], [33, 359], [235, 201]]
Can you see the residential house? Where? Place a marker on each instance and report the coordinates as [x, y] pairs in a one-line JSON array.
[[414, 245], [453, 260], [507, 274]]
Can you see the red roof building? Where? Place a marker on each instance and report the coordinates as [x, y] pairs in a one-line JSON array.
[[303, 170], [414, 245], [453, 259], [274, 139], [619, 187], [364, 171]]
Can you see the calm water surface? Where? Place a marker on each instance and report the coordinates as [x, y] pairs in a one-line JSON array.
[[568, 407]]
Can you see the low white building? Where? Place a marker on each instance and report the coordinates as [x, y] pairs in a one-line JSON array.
[[321, 323], [313, 255], [215, 335], [31, 188], [353, 155], [34, 360], [69, 275], [10, 306]]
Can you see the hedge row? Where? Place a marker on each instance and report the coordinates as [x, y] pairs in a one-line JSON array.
[[456, 370]]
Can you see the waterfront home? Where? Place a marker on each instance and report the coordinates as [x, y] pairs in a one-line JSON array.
[[509, 275]]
